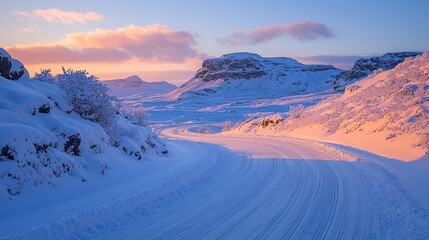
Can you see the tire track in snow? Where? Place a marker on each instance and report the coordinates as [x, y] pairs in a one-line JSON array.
[[279, 189]]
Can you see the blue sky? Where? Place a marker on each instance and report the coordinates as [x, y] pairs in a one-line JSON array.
[[350, 28]]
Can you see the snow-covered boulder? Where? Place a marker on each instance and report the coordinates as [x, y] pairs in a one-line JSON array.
[[365, 66], [11, 68], [137, 141], [250, 76]]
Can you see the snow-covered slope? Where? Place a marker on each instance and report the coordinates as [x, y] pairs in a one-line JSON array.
[[365, 66], [134, 85], [241, 76], [42, 138], [11, 68], [386, 113]]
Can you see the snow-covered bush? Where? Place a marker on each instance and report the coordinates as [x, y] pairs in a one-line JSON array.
[[45, 75], [227, 126], [140, 115], [296, 111], [89, 98], [135, 140]]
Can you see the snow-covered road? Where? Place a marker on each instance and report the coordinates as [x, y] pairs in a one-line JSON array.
[[256, 188], [241, 187]]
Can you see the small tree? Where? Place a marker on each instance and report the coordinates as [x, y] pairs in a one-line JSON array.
[[45, 75], [140, 115], [88, 97]]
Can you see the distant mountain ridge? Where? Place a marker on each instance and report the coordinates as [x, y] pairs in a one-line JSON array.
[[365, 66], [253, 76], [134, 85]]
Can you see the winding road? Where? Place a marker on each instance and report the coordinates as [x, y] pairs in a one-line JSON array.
[[261, 188]]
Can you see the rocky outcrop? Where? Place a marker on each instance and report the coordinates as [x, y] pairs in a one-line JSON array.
[[10, 68], [365, 66], [255, 77], [230, 68]]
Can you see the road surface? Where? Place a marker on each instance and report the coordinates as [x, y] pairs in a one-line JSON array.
[[262, 188]]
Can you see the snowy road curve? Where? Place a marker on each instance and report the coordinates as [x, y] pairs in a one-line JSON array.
[[238, 187], [256, 188]]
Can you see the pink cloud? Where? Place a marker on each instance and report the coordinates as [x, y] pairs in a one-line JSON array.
[[56, 53], [303, 31], [55, 15], [155, 44]]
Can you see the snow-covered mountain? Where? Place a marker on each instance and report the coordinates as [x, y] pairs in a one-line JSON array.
[[11, 68], [241, 76], [387, 113], [135, 85], [42, 138], [365, 66]]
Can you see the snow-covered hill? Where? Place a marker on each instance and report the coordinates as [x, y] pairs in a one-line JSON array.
[[135, 85], [42, 138], [365, 66], [386, 113], [243, 76]]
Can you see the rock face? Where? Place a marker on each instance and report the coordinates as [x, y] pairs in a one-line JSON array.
[[251, 74], [230, 67], [365, 66], [10, 68]]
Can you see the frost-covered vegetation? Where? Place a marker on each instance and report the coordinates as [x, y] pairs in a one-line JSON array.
[[53, 126], [395, 101], [87, 96]]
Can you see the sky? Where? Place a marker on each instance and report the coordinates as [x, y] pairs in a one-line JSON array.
[[168, 40]]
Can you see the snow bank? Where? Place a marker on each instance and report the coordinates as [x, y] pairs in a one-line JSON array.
[[43, 139]]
